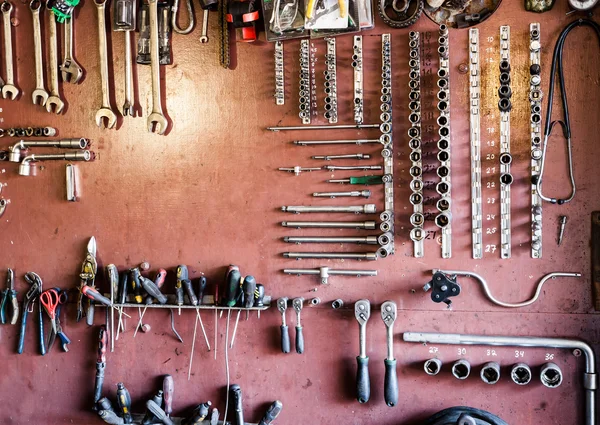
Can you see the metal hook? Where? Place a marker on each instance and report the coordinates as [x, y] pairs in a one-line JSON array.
[[191, 21]]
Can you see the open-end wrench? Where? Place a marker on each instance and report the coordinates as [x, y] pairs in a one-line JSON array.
[[71, 71], [128, 109], [105, 110], [54, 101], [9, 90], [39, 95], [389, 311], [362, 312], [156, 119]]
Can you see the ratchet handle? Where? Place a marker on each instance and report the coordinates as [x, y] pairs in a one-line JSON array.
[[41, 330], [285, 339], [390, 390], [22, 330], [363, 384], [299, 340]]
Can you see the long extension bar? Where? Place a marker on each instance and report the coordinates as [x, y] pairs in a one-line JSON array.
[[535, 100], [417, 219], [475, 129], [444, 219], [279, 74], [305, 95], [357, 64], [325, 272], [506, 178], [331, 109]]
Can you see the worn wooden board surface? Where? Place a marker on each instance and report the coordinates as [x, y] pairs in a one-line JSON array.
[[208, 195]]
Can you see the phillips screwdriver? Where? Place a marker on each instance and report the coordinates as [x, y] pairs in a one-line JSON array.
[[159, 281], [271, 414], [259, 296], [136, 284], [9, 298], [93, 294], [364, 180], [168, 389], [182, 273], [236, 395], [124, 402], [100, 363], [149, 417], [152, 290], [187, 286], [158, 412]]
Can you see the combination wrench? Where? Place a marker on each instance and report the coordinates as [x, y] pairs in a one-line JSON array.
[[71, 71], [156, 119], [105, 110], [54, 101], [9, 90], [39, 94]]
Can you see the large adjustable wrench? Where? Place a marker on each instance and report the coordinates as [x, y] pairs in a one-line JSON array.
[[105, 110], [9, 90], [157, 118], [71, 71], [54, 101], [39, 94]]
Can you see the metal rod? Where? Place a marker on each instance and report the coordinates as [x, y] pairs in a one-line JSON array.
[[369, 240], [325, 272], [367, 225], [371, 256], [366, 209], [323, 127], [352, 167], [349, 156], [351, 194], [335, 142]]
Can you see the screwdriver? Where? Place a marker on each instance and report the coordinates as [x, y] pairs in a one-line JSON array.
[[259, 295], [168, 388], [236, 395], [214, 417], [149, 417], [232, 285], [10, 294], [249, 288], [271, 414], [158, 412], [201, 288], [122, 297], [159, 281], [136, 285], [93, 294], [124, 402], [100, 363], [110, 417], [363, 180], [182, 273], [152, 290], [198, 415], [187, 285], [105, 404]]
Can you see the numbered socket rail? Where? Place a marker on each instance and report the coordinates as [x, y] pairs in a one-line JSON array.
[[506, 179], [475, 134], [417, 234], [305, 82], [357, 64], [386, 239], [331, 109], [535, 100], [279, 76], [444, 219]]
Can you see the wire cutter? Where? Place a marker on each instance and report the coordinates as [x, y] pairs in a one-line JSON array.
[[9, 294], [87, 277], [56, 327], [28, 305]]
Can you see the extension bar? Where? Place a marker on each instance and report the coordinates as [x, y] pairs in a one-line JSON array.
[[590, 379], [279, 74], [357, 64], [325, 272], [331, 110], [505, 157], [475, 129], [444, 219], [417, 219], [535, 100]]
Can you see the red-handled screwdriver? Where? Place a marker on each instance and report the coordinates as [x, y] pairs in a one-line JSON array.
[[93, 294]]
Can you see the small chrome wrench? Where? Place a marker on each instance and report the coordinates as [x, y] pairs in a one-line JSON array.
[[54, 101], [204, 35], [156, 118], [70, 70], [9, 90], [105, 110], [39, 94], [128, 109]]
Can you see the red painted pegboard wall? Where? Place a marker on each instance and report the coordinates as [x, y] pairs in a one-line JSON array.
[[208, 194]]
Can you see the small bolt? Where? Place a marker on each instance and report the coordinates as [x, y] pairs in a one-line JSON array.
[[463, 68], [144, 266], [145, 328]]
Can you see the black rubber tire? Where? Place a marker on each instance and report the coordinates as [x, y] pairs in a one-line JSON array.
[[450, 417]]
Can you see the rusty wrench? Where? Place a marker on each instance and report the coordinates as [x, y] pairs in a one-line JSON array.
[[39, 94], [9, 90], [71, 71], [105, 110], [54, 100], [157, 118]]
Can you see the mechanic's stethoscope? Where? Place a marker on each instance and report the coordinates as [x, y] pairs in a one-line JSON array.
[[565, 123]]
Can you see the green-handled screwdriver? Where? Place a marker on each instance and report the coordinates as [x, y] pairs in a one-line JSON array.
[[363, 180]]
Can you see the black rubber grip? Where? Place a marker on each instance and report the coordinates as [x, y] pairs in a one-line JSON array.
[[363, 383], [42, 340], [299, 340], [285, 339], [390, 390], [152, 290], [22, 330], [179, 293], [89, 315], [187, 285]]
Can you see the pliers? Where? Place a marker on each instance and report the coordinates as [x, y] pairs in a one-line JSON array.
[[64, 339], [9, 297], [28, 305], [87, 277]]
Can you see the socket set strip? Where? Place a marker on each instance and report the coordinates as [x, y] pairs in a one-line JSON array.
[[305, 82], [279, 77], [417, 219], [535, 100], [444, 219], [357, 64], [475, 130], [331, 110], [386, 239], [505, 106]]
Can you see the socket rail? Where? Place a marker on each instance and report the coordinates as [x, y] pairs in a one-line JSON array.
[[535, 100], [417, 219], [506, 178], [357, 64], [475, 130], [279, 76], [331, 109], [386, 239], [444, 219], [305, 82]]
